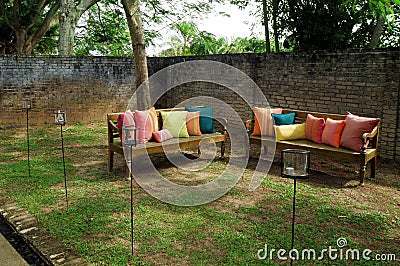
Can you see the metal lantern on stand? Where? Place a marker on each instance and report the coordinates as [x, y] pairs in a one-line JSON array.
[[129, 140], [295, 164], [27, 105], [60, 119]]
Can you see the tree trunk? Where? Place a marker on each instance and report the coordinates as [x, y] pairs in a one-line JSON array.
[[376, 34], [68, 18], [276, 33], [266, 27], [67, 27], [133, 16]]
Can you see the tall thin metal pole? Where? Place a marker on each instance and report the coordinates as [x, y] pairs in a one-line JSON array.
[[27, 136], [294, 215], [132, 199], [65, 173]]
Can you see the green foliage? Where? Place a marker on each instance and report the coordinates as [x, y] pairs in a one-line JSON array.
[[104, 31], [189, 40], [29, 17]]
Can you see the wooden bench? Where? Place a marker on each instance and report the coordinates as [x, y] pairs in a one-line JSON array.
[[152, 147], [368, 153]]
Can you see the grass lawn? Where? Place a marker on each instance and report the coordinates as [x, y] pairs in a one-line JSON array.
[[228, 231]]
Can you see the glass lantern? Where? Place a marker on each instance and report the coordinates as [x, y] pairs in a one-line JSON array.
[[295, 164], [129, 135], [60, 117], [26, 104]]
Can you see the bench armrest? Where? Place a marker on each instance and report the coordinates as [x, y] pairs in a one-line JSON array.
[[371, 135], [113, 126], [250, 125], [223, 121]]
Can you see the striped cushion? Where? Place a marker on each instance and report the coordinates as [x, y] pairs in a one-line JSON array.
[[193, 123], [147, 122], [264, 124], [314, 128], [162, 135]]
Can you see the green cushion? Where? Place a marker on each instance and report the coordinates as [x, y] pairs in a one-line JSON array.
[[206, 118], [175, 122]]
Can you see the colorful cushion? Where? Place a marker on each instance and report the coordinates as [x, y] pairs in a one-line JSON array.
[[333, 132], [126, 118], [314, 128], [290, 132], [206, 118], [263, 125], [355, 127], [193, 123], [283, 119], [162, 135], [175, 122], [147, 123]]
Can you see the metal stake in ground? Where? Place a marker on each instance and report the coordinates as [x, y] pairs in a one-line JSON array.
[[295, 164], [60, 119], [129, 140], [27, 105]]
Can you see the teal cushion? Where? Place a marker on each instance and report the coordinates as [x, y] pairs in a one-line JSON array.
[[206, 118], [283, 119]]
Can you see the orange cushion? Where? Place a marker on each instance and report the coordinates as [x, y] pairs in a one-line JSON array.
[[332, 132], [147, 123], [264, 124], [193, 123], [355, 127], [314, 128]]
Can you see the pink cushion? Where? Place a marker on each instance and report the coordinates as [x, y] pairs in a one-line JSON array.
[[162, 135], [355, 127], [147, 122], [264, 124], [314, 128], [332, 132], [126, 119], [193, 123]]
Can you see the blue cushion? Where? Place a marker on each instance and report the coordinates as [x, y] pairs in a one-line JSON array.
[[283, 119], [206, 118]]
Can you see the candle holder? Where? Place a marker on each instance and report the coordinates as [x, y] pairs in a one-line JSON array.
[[295, 164], [27, 105], [60, 119], [129, 133]]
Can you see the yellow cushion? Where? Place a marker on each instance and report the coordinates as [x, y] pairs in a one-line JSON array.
[[290, 132]]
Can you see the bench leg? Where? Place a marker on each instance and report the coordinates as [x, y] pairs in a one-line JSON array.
[[222, 150], [110, 161], [362, 174], [373, 168]]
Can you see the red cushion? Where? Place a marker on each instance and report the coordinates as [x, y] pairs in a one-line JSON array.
[[314, 128], [355, 127]]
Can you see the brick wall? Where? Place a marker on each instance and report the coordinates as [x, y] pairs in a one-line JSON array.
[[365, 82]]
